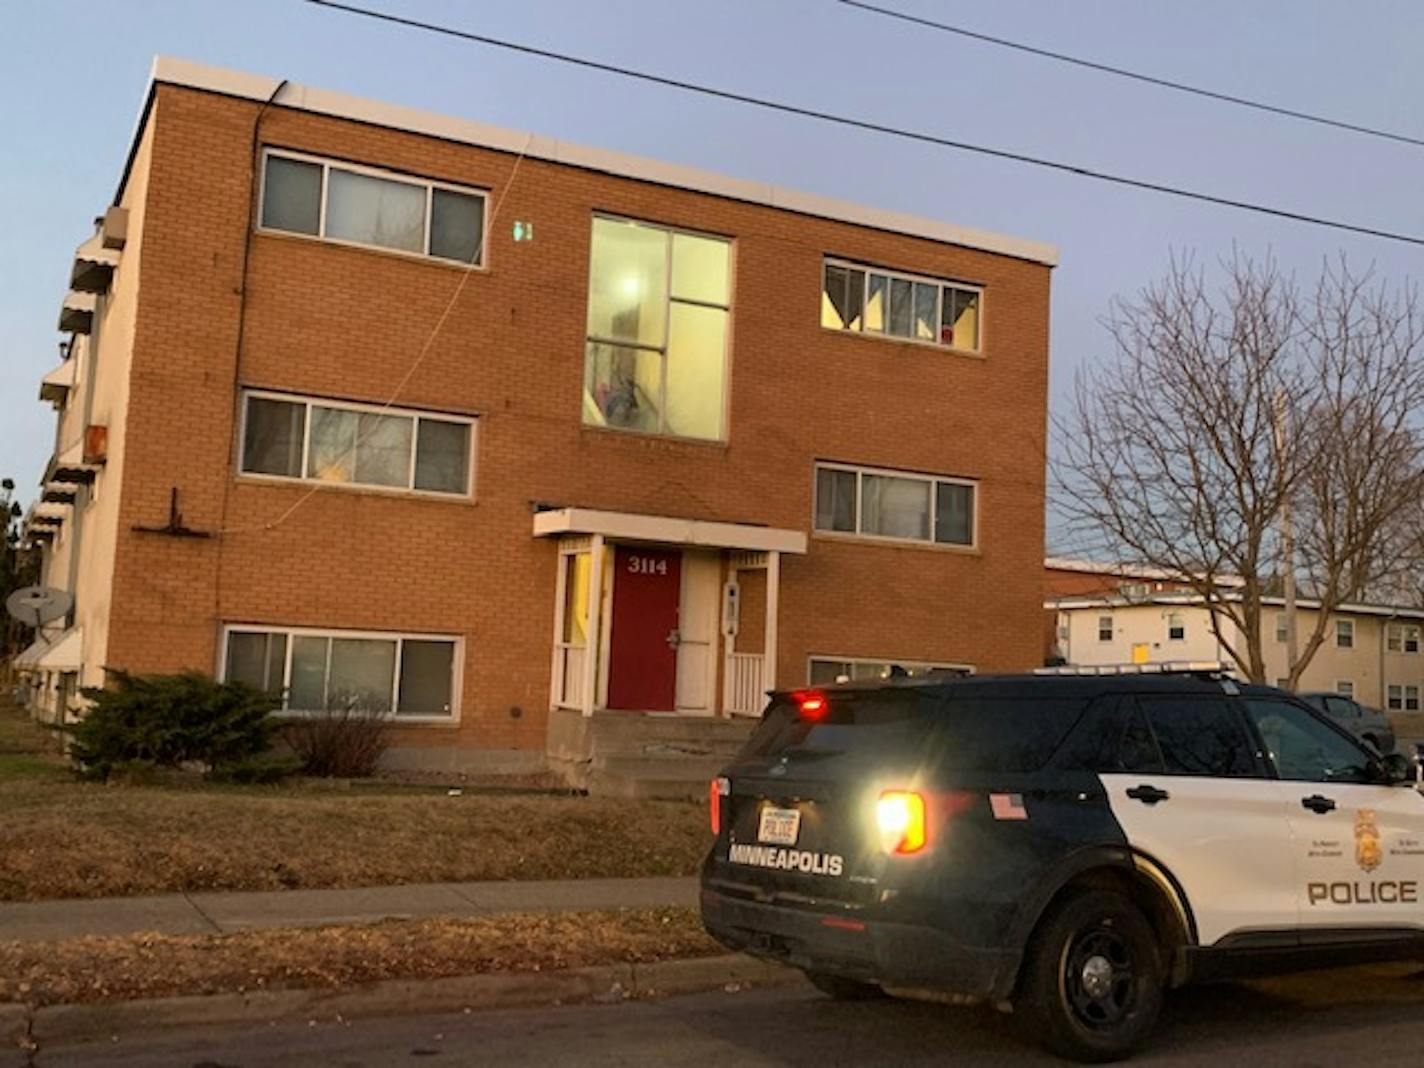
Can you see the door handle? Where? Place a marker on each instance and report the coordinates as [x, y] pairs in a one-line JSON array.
[[674, 638], [1148, 795], [1319, 804]]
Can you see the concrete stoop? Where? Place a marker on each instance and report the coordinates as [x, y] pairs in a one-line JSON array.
[[628, 754]]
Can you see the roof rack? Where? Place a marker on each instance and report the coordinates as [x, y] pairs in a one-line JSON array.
[[1167, 667]]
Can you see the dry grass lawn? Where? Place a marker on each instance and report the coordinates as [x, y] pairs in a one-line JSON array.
[[62, 838], [143, 966]]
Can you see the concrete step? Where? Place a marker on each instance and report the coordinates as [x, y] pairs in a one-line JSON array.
[[613, 728], [676, 778]]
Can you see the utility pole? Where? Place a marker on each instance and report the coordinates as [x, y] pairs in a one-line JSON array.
[[1287, 540]]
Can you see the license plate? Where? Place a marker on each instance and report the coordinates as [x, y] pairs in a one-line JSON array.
[[779, 826]]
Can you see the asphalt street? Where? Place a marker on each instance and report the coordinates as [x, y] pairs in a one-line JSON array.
[[1369, 1016]]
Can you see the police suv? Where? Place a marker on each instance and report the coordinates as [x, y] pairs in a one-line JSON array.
[[1070, 846]]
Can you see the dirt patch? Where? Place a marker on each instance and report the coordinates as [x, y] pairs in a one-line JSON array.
[[144, 966]]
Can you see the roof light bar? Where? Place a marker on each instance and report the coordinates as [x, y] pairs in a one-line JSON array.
[[1167, 667]]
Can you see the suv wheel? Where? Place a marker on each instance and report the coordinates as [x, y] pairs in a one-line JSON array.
[[843, 989], [1092, 981]]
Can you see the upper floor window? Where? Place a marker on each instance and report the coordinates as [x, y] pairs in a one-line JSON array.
[[365, 206], [658, 305], [873, 301], [1176, 627], [1345, 687], [1345, 633], [895, 504], [1105, 628], [1403, 637], [1282, 630], [325, 441]]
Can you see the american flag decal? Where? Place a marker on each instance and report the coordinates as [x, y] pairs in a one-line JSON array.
[[1008, 806]]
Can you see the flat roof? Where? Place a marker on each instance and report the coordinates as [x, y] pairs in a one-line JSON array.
[[181, 72], [1195, 600]]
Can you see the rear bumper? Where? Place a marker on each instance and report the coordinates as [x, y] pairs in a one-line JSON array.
[[837, 943]]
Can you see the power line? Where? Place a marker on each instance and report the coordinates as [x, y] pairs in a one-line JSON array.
[[1137, 76], [866, 124]]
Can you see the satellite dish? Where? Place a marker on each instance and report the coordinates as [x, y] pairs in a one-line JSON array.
[[35, 606]]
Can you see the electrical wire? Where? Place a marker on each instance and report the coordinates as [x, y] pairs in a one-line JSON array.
[[1137, 76], [873, 127]]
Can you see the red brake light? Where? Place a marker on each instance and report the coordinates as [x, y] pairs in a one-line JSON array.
[[717, 789], [900, 815], [811, 705]]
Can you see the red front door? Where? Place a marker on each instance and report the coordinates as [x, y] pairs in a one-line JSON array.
[[642, 654]]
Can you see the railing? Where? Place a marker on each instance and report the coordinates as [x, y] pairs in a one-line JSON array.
[[744, 695], [570, 677]]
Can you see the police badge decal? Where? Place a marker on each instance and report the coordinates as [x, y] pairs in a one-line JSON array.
[[1368, 853]]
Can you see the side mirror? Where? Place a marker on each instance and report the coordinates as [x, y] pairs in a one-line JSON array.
[[1397, 770]]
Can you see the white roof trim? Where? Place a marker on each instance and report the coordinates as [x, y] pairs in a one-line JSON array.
[[665, 530], [1193, 600], [93, 251], [61, 379], [1128, 571], [65, 653], [184, 72]]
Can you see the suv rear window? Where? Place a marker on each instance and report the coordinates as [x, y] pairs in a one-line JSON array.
[[953, 732]]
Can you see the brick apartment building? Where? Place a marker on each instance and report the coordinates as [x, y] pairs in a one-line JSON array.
[[505, 435]]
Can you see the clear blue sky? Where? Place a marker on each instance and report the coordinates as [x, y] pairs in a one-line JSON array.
[[73, 76]]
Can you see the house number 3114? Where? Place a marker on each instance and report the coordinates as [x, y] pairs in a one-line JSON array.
[[646, 565]]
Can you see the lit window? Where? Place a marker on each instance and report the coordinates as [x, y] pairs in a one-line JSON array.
[[894, 504], [868, 300], [1345, 633], [290, 437], [398, 675], [365, 206], [658, 307]]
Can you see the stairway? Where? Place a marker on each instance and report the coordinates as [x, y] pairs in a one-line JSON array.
[[629, 754]]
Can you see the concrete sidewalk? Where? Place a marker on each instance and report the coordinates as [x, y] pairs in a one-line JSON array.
[[223, 913]]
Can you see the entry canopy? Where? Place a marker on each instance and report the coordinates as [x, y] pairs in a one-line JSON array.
[[58, 654], [666, 530]]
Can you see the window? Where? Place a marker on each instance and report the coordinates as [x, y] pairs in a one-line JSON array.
[[364, 206], [1345, 687], [825, 671], [892, 504], [1403, 638], [316, 670], [1176, 627], [1282, 632], [1395, 698], [658, 307], [1345, 633], [1112, 738], [1304, 748], [289, 437], [1200, 736], [1105, 628], [871, 301]]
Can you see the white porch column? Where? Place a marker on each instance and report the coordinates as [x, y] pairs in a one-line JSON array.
[[773, 595], [595, 623]]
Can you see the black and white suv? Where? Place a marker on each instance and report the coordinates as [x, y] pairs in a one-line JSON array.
[[1071, 846]]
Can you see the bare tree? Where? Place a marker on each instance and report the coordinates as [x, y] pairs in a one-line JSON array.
[[1219, 409]]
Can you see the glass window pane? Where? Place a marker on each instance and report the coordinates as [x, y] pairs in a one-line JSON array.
[[960, 327], [457, 225], [383, 449], [308, 687], [855, 299], [701, 269], [622, 387], [1200, 736], [1303, 748], [875, 298], [291, 195], [627, 287], [332, 454], [833, 298], [272, 439], [442, 456], [427, 669], [375, 211], [902, 307], [362, 673], [825, 672], [835, 499], [895, 507], [247, 659], [696, 371], [926, 310], [954, 514]]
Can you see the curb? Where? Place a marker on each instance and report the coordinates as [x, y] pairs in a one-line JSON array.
[[65, 1024]]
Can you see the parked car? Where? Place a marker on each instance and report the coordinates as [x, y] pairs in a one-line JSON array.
[[1067, 846], [1370, 725]]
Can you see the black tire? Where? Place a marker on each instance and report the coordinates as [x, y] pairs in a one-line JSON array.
[[843, 989], [1092, 983]]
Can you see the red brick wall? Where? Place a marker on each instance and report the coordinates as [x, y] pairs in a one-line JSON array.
[[332, 321]]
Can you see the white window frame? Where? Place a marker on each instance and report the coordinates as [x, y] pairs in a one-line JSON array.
[[1282, 629], [905, 276], [927, 665], [428, 184], [1182, 626], [1345, 629], [858, 535], [1401, 636], [1111, 630], [1394, 697], [1411, 698], [399, 637], [1345, 688], [416, 414], [662, 349]]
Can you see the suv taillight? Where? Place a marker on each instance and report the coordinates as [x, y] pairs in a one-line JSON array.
[[719, 788], [900, 816]]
